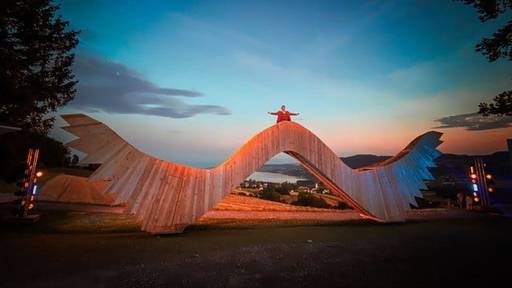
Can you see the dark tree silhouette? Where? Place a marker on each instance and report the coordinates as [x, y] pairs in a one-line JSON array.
[[499, 45], [35, 63], [502, 105]]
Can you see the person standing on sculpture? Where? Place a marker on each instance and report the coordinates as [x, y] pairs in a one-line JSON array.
[[283, 114]]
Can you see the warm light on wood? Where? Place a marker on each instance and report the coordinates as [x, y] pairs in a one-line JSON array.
[[167, 196]]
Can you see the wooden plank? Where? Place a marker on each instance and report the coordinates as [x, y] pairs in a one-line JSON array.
[[167, 196]]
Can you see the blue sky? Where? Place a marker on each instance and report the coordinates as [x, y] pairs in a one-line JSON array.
[[191, 81]]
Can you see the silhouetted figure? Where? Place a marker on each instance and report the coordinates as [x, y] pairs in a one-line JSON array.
[[283, 114]]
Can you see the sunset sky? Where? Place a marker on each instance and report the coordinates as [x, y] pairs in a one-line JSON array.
[[191, 81]]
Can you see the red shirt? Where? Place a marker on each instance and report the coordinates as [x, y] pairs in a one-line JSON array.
[[283, 115]]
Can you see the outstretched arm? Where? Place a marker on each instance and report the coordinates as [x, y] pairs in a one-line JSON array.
[[272, 113], [294, 114]]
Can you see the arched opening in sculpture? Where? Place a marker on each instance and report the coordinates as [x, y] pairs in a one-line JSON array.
[[330, 184], [167, 196], [282, 189]]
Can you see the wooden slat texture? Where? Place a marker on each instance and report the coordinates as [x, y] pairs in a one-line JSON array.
[[167, 196]]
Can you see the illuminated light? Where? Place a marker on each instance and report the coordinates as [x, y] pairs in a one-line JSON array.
[[39, 173], [472, 170], [477, 199], [473, 181], [475, 187], [473, 176], [488, 176], [490, 189], [474, 194], [30, 206], [34, 191]]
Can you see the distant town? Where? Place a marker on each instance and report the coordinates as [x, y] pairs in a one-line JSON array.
[[301, 193]]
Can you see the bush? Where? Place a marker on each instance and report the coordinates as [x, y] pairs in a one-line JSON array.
[[269, 193], [13, 152], [285, 187], [282, 190], [307, 199]]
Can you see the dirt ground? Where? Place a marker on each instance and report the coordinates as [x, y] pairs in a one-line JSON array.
[[91, 249]]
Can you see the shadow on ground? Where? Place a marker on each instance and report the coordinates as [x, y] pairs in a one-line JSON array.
[[82, 249]]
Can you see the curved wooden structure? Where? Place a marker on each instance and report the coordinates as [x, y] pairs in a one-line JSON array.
[[167, 196]]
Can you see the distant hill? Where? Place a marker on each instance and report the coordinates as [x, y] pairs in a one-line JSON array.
[[449, 166], [356, 161], [361, 160], [294, 169]]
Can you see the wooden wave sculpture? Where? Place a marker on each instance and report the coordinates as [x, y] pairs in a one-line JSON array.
[[167, 197]]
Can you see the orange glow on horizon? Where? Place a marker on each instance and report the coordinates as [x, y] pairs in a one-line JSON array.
[[461, 141]]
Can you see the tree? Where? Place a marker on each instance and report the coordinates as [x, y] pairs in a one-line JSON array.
[[13, 152], [35, 60], [502, 105], [310, 200], [285, 187], [499, 45], [269, 193]]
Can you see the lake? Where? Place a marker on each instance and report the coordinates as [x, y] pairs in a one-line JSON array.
[[273, 177]]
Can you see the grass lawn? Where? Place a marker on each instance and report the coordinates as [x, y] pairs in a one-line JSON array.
[[78, 249]]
